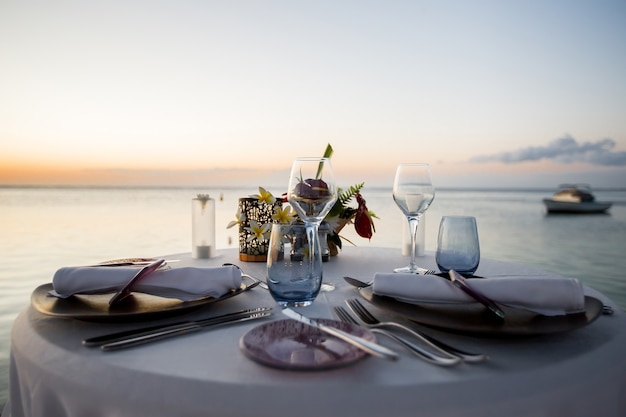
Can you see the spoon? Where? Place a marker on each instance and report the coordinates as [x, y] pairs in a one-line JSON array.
[[358, 283], [361, 284]]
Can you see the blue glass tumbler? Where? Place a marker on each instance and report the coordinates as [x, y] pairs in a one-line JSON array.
[[458, 247]]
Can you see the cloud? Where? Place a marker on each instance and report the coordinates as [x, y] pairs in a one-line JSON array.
[[566, 150]]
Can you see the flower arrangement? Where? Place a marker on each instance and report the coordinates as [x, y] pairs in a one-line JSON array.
[[341, 214]]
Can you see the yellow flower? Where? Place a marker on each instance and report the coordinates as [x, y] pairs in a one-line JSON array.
[[284, 215], [265, 196], [258, 231], [240, 218]]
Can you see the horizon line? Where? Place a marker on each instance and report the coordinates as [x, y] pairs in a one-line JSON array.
[[238, 187]]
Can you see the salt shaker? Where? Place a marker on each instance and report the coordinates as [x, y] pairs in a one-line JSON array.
[[202, 227]]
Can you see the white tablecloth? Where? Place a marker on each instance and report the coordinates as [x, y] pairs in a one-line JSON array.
[[578, 373]]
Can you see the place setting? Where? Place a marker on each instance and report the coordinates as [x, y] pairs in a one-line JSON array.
[[454, 298], [440, 304], [137, 289]]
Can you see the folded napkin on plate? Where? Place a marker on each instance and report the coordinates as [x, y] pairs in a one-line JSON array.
[[549, 296], [186, 283]]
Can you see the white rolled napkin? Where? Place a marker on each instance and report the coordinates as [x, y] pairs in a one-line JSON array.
[[550, 296], [185, 283]]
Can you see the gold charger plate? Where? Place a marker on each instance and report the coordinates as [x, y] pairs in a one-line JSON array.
[[139, 306], [475, 319]]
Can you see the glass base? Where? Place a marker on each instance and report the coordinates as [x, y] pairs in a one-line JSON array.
[[408, 270], [295, 303]]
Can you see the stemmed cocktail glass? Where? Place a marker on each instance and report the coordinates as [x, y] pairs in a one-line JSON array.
[[413, 192], [312, 192]]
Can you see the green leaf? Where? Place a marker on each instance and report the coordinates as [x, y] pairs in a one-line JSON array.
[[327, 154], [346, 196], [329, 151]]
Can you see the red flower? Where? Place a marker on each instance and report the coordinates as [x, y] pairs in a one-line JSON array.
[[363, 223]]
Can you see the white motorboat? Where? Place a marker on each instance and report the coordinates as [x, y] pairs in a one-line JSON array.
[[575, 198]]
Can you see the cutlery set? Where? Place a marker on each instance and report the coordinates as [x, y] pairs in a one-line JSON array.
[[440, 353], [344, 316], [130, 338], [434, 351]]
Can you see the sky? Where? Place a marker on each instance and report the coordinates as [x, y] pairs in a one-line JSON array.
[[226, 92]]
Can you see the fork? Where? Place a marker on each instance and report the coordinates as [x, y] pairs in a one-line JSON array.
[[261, 283], [343, 315], [371, 321]]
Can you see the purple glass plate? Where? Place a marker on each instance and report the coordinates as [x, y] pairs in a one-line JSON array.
[[288, 344]]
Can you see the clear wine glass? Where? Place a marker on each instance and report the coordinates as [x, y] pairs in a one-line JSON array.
[[312, 192], [413, 192]]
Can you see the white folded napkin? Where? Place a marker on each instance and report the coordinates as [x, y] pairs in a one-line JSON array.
[[549, 296], [185, 283]]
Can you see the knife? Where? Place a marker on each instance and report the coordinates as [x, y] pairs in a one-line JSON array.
[[125, 291], [192, 326], [146, 331], [458, 280], [363, 344], [131, 262]]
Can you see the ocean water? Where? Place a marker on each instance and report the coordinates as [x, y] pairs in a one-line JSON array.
[[43, 229]]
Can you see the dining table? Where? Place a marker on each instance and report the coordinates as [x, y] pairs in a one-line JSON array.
[[579, 371]]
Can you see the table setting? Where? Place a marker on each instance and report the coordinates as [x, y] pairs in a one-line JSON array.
[[189, 333]]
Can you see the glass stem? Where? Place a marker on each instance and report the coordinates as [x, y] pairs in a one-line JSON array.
[[414, 222], [311, 236]]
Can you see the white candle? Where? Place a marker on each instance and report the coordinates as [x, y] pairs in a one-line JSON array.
[[202, 226], [202, 252]]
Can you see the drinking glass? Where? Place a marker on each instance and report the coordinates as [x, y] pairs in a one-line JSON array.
[[294, 273], [457, 244], [413, 192]]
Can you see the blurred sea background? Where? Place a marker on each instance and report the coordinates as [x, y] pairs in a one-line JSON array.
[[43, 229]]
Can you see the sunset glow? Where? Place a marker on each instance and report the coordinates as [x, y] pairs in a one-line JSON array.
[[190, 93]]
